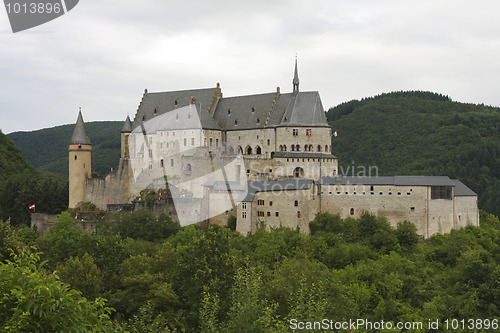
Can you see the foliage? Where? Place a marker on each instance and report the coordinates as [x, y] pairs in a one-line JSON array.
[[12, 159], [421, 133], [213, 279], [34, 301]]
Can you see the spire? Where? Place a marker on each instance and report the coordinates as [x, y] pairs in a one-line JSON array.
[[296, 81], [127, 126], [80, 133]]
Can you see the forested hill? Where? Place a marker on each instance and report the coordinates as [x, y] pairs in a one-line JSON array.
[[12, 159], [21, 185], [47, 149], [421, 133]]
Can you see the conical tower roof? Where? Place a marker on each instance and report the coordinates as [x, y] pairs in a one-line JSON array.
[[80, 133], [127, 126]]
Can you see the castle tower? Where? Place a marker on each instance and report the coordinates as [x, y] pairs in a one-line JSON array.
[[79, 162], [125, 133], [295, 81]]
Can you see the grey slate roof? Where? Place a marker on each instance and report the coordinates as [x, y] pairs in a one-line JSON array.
[[287, 154], [304, 109], [218, 185], [278, 186], [391, 180], [258, 111], [244, 112], [163, 102], [187, 117], [127, 126], [461, 189], [79, 132]]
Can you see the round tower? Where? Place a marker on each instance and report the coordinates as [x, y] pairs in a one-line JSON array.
[[125, 133], [79, 149]]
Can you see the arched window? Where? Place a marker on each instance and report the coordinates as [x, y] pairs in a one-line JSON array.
[[249, 150], [284, 147], [352, 211], [298, 172], [319, 147], [240, 150], [281, 147], [258, 150], [293, 147], [310, 147], [297, 147], [326, 148], [306, 148]]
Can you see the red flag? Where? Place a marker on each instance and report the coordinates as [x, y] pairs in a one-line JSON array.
[[76, 216], [79, 145], [159, 195], [32, 206]]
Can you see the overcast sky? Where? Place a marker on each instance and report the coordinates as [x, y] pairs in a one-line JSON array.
[[103, 54]]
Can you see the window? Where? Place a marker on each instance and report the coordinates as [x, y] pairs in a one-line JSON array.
[[270, 203], [244, 205], [150, 153], [326, 148], [319, 147], [211, 142], [293, 147], [260, 202], [161, 163], [412, 209], [258, 150], [216, 142], [295, 132], [352, 211], [268, 142], [244, 215], [192, 141], [171, 162], [185, 141], [371, 188], [260, 214], [277, 214], [298, 214], [441, 192], [296, 203], [76, 157], [297, 147], [268, 214]]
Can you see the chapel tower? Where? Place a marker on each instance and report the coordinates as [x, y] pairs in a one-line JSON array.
[[79, 149], [296, 81]]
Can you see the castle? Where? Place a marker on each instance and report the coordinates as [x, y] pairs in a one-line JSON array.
[[263, 158]]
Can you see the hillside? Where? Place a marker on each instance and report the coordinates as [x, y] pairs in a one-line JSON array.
[[21, 185], [12, 159], [419, 133], [52, 155]]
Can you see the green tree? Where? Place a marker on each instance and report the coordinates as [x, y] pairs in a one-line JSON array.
[[34, 301], [82, 274]]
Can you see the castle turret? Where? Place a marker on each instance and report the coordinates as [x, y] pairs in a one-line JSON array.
[[79, 162], [125, 133]]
